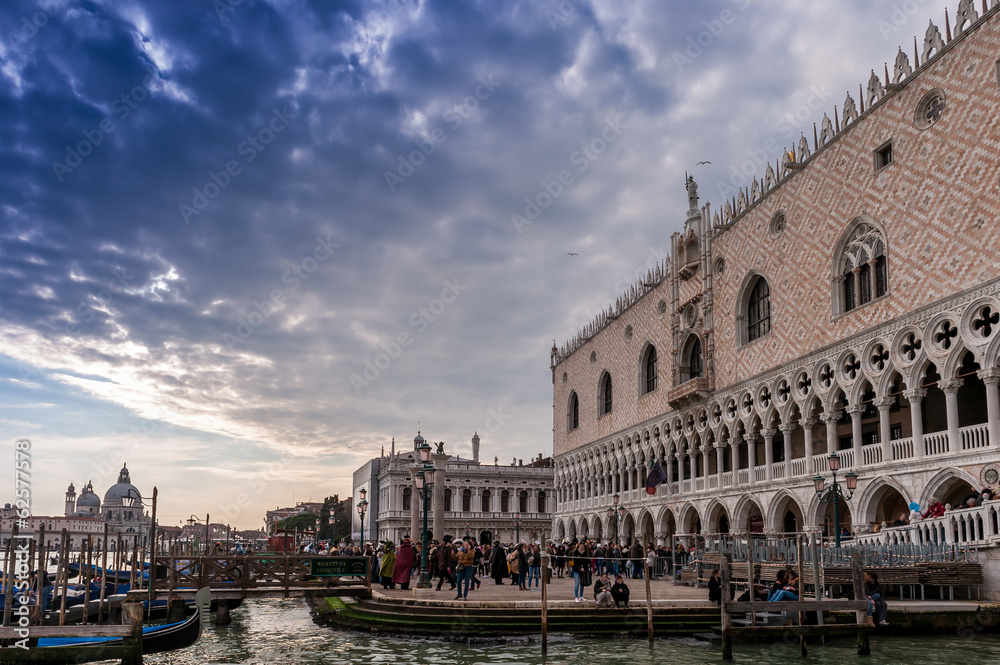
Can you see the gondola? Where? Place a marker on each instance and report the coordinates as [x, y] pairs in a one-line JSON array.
[[73, 569], [155, 639]]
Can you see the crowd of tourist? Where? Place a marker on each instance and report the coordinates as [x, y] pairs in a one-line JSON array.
[[463, 564]]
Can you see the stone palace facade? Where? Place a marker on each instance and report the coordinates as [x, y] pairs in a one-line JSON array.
[[847, 302], [490, 501]]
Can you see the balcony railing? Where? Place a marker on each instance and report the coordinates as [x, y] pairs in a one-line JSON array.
[[974, 437], [979, 526]]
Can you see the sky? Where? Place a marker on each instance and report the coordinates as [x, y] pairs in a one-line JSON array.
[[244, 244]]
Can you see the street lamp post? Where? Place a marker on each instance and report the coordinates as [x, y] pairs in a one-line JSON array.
[[517, 529], [834, 493], [362, 509], [424, 480]]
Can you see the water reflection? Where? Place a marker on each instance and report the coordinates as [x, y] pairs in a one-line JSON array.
[[282, 632]]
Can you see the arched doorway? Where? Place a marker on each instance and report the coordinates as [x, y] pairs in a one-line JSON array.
[[486, 537], [786, 514]]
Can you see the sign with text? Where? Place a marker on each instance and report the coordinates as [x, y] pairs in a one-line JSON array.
[[340, 566]]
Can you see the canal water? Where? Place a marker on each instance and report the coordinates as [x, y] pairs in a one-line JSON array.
[[279, 632]]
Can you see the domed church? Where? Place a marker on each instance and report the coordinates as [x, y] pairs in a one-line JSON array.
[[122, 507]]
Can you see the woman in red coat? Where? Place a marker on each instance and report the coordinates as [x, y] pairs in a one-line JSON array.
[[934, 509], [404, 565]]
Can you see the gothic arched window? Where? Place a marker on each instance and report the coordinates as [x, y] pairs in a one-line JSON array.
[[573, 412], [407, 494], [486, 501], [522, 504], [447, 498], [541, 502], [604, 395], [649, 372], [860, 270], [467, 501], [505, 501], [695, 362], [759, 310]]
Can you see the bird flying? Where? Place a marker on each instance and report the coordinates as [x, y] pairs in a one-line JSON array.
[[572, 254], [702, 163]]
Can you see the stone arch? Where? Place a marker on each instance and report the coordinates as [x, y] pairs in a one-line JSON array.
[[717, 518], [559, 529], [690, 519], [571, 530], [596, 528], [820, 515], [691, 359], [648, 374], [582, 528], [947, 485], [666, 523], [626, 529], [882, 500], [747, 507], [645, 526], [785, 513], [863, 239]]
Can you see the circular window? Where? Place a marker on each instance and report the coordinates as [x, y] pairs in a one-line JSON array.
[[777, 226], [929, 109], [593, 357], [661, 308], [720, 266], [689, 316], [628, 333]]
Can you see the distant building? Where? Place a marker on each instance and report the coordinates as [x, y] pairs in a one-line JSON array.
[[272, 517], [366, 478], [86, 515], [487, 501]]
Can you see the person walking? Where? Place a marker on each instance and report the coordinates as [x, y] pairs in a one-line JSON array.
[[636, 555], [445, 565], [522, 566], [404, 565], [580, 568], [464, 569], [534, 565], [498, 563], [387, 565]]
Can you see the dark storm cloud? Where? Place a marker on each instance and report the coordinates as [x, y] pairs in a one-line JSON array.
[[276, 193]]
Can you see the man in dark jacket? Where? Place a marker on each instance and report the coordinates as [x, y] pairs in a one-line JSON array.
[[444, 566], [620, 592], [638, 559], [498, 563]]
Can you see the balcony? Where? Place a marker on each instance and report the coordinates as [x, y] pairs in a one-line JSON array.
[[689, 392]]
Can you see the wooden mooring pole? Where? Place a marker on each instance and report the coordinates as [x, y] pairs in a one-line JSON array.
[[727, 638], [649, 595], [545, 605], [104, 576], [63, 561], [8, 571], [857, 573]]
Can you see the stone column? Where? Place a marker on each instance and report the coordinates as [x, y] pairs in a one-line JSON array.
[[831, 430], [991, 377], [680, 466], [950, 388], [437, 507], [915, 396], [751, 453], [734, 457], [692, 467], [669, 459], [704, 462], [768, 435], [720, 452], [415, 502], [884, 432], [856, 410], [786, 435], [807, 437]]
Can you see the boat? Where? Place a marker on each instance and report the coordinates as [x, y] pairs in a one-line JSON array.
[[155, 639], [73, 569]]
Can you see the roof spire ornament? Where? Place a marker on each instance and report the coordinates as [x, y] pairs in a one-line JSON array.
[[932, 41]]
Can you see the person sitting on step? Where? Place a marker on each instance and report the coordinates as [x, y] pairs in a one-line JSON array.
[[602, 591], [620, 592], [789, 592]]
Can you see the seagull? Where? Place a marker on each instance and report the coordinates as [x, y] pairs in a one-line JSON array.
[[702, 163], [572, 254]]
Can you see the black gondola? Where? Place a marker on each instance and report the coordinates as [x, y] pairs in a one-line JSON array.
[[155, 639]]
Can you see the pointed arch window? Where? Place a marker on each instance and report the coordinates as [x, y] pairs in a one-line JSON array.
[[860, 270], [759, 310], [695, 361], [573, 412], [605, 396], [649, 371], [407, 494], [505, 501], [522, 504], [467, 501], [541, 502], [486, 501]]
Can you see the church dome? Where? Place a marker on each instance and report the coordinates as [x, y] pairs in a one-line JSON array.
[[122, 489], [88, 498], [418, 440]]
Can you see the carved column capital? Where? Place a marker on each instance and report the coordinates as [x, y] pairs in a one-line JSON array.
[[950, 386], [808, 422], [788, 428], [990, 376], [719, 445], [855, 410], [884, 403], [768, 433], [915, 394], [831, 417]]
